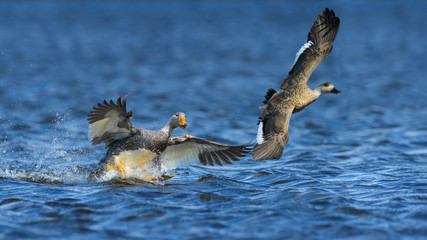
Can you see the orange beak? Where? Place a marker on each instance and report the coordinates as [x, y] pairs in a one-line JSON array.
[[182, 123]]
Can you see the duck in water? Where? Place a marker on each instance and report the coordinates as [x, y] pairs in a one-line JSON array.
[[137, 148]]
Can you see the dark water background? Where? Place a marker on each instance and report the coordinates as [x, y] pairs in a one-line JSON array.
[[355, 166]]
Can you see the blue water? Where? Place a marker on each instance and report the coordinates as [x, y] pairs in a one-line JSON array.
[[355, 166]]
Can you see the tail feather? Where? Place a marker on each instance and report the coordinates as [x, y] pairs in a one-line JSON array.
[[268, 95]]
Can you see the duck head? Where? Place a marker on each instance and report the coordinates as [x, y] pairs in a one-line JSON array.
[[327, 87], [178, 120]]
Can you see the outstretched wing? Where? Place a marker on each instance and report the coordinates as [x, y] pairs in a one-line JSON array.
[[272, 134], [183, 150], [317, 48], [110, 122]]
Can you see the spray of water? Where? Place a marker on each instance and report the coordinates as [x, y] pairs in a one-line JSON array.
[[62, 154]]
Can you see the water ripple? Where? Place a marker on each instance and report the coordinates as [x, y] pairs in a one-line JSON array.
[[354, 166]]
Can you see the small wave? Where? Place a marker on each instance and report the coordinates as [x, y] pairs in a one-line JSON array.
[[75, 175], [80, 175]]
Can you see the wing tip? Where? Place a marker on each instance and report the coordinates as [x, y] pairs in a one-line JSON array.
[[326, 22], [99, 111], [271, 149]]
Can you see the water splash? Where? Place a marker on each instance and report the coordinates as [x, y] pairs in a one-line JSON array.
[[51, 157]]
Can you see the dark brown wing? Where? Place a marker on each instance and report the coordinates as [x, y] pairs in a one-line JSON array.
[[272, 135], [183, 150], [317, 48], [110, 122]]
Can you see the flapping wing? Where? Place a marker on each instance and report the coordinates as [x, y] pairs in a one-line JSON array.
[[272, 134], [110, 122], [317, 48], [183, 150]]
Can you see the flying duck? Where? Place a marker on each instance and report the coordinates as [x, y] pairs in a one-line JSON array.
[[295, 95], [137, 148]]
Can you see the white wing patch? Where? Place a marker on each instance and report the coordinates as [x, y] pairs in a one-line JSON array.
[[109, 124], [301, 50], [260, 134]]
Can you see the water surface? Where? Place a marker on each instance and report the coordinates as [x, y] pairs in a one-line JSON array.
[[355, 166]]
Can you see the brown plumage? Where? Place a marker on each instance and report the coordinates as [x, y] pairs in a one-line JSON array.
[[296, 95]]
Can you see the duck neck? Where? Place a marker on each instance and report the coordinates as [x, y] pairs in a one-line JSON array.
[[317, 92], [168, 128]]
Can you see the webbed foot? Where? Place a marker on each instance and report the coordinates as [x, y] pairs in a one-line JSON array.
[[164, 177], [119, 167]]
